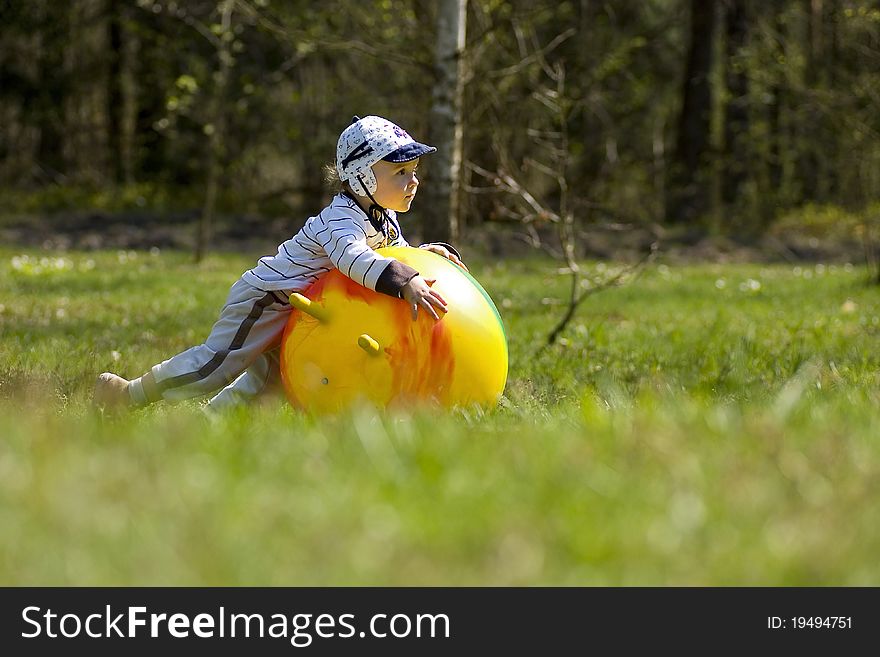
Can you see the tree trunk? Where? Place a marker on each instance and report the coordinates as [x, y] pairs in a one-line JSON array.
[[736, 160], [216, 130], [689, 191], [775, 190], [440, 208], [811, 163], [52, 95], [830, 60], [115, 102], [149, 71]]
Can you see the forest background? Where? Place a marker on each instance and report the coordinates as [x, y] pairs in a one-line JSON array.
[[206, 124]]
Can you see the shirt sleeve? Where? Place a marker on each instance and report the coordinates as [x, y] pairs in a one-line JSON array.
[[345, 242], [396, 275]]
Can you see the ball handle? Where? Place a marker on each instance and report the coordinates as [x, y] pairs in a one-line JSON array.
[[309, 307], [369, 345]]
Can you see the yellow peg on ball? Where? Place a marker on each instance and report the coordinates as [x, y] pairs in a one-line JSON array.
[[369, 345], [308, 306]]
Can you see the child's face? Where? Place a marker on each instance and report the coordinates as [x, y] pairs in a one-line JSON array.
[[396, 184]]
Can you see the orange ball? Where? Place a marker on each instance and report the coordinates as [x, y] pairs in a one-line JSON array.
[[346, 344]]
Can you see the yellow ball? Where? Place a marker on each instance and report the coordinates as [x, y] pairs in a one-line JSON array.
[[346, 344]]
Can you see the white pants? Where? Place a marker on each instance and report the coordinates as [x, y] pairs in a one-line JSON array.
[[239, 357], [262, 374]]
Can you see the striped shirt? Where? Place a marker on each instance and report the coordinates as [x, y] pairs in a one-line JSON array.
[[340, 236]]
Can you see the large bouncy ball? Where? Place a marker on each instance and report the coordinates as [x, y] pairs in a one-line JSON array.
[[345, 344]]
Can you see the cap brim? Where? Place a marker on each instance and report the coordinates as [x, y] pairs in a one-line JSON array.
[[409, 152]]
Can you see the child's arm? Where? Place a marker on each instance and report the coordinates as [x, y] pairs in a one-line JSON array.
[[419, 295], [445, 250], [345, 243]]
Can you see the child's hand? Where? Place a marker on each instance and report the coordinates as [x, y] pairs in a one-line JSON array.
[[418, 294], [439, 249]]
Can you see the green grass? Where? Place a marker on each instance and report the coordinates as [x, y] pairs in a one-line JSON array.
[[704, 425]]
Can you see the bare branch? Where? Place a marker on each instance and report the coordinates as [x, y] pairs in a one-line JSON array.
[[622, 277], [529, 59], [299, 37], [540, 166], [508, 183]]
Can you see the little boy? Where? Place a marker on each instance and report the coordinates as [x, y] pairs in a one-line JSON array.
[[376, 162]]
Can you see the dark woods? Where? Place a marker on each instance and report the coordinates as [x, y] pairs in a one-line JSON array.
[[713, 114]]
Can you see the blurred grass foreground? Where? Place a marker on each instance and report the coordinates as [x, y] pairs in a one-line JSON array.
[[704, 425]]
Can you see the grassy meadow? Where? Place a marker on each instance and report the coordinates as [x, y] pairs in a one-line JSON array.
[[703, 425]]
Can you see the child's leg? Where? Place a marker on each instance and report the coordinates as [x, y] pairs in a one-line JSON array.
[[262, 374], [250, 323]]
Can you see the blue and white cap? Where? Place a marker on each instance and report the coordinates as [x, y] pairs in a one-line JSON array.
[[368, 140]]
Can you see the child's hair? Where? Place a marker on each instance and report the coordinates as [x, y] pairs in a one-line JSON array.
[[333, 181]]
